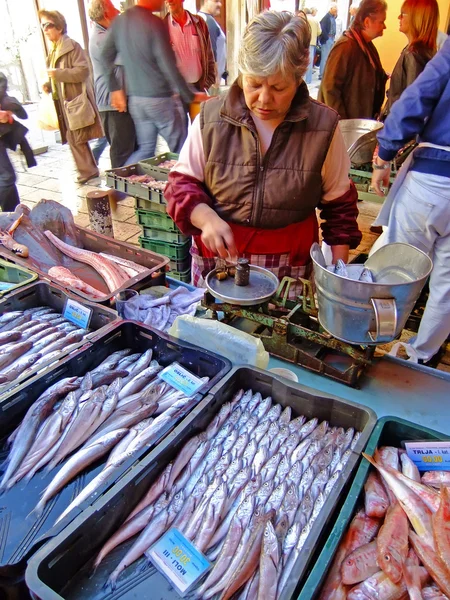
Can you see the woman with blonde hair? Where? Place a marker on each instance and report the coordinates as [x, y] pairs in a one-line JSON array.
[[71, 83], [419, 21]]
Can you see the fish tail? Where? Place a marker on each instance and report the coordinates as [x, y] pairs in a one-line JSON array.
[[37, 510]]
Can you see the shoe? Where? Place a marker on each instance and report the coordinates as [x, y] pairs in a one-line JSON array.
[[376, 229], [86, 179]]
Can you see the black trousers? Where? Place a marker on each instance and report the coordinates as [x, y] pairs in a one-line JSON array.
[[9, 196], [121, 135]]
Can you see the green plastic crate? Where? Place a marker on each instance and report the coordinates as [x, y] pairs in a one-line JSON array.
[[156, 220], [118, 179], [389, 431], [149, 206], [159, 235], [181, 265], [152, 167], [173, 251], [15, 275], [184, 276]]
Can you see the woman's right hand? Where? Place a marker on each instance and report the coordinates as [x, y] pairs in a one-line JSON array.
[[216, 233]]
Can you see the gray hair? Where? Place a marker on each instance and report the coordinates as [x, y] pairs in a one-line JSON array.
[[275, 42], [97, 10]]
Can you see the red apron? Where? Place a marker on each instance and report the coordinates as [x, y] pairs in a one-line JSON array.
[[284, 251]]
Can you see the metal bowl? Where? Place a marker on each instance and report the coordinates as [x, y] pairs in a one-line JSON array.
[[262, 286]]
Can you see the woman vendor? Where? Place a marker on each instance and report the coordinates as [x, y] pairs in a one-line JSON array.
[[259, 161]]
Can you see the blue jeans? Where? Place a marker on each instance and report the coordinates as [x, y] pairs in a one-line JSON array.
[[153, 116], [312, 54], [97, 147], [324, 56]]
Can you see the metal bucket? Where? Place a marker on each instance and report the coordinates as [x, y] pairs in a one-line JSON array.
[[360, 137], [371, 313]]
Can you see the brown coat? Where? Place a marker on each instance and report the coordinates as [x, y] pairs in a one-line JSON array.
[[284, 186], [72, 69], [349, 84]]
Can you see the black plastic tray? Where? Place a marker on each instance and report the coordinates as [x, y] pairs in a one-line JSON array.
[[63, 567], [390, 431], [96, 242], [19, 536], [45, 294]]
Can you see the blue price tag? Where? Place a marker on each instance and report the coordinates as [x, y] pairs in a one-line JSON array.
[[181, 379], [77, 313], [178, 560], [429, 456]]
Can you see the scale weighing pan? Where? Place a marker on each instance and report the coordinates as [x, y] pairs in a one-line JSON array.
[[262, 286]]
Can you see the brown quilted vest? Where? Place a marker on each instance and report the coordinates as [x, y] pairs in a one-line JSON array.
[[276, 190]]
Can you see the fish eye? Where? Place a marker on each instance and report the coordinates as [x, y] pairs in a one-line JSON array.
[[387, 557]]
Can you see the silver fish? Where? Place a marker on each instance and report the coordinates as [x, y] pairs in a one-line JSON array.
[[218, 421], [230, 440], [211, 517], [263, 408], [259, 460], [340, 268], [276, 498], [282, 470], [268, 564], [296, 424], [249, 452], [308, 428], [244, 398], [260, 430], [306, 480], [320, 482], [285, 417], [322, 459], [355, 440], [301, 450], [295, 473], [331, 483], [278, 440], [271, 466], [366, 275], [290, 504], [319, 432], [274, 413], [254, 402], [264, 492]]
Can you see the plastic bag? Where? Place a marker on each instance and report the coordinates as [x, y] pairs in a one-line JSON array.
[[47, 117], [239, 347]]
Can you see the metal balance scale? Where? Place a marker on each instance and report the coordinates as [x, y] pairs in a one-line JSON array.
[[289, 329], [335, 336]]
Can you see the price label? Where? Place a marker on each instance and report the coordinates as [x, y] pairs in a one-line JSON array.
[[77, 313], [178, 560], [181, 379], [429, 456]]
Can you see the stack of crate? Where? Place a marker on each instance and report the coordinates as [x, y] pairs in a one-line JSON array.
[[159, 232]]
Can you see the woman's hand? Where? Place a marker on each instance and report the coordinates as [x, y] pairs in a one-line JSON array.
[[216, 233], [340, 252]]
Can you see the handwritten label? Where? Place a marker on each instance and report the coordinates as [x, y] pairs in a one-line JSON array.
[[181, 379], [77, 313], [178, 560], [429, 456]]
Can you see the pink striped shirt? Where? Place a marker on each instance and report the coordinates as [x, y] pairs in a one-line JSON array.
[[186, 45]]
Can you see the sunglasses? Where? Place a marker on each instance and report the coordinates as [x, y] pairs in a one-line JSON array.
[[48, 25]]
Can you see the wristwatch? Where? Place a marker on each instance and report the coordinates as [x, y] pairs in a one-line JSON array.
[[382, 167]]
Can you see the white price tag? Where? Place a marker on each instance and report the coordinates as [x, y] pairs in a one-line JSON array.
[[181, 379], [77, 313], [429, 456], [178, 560]]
